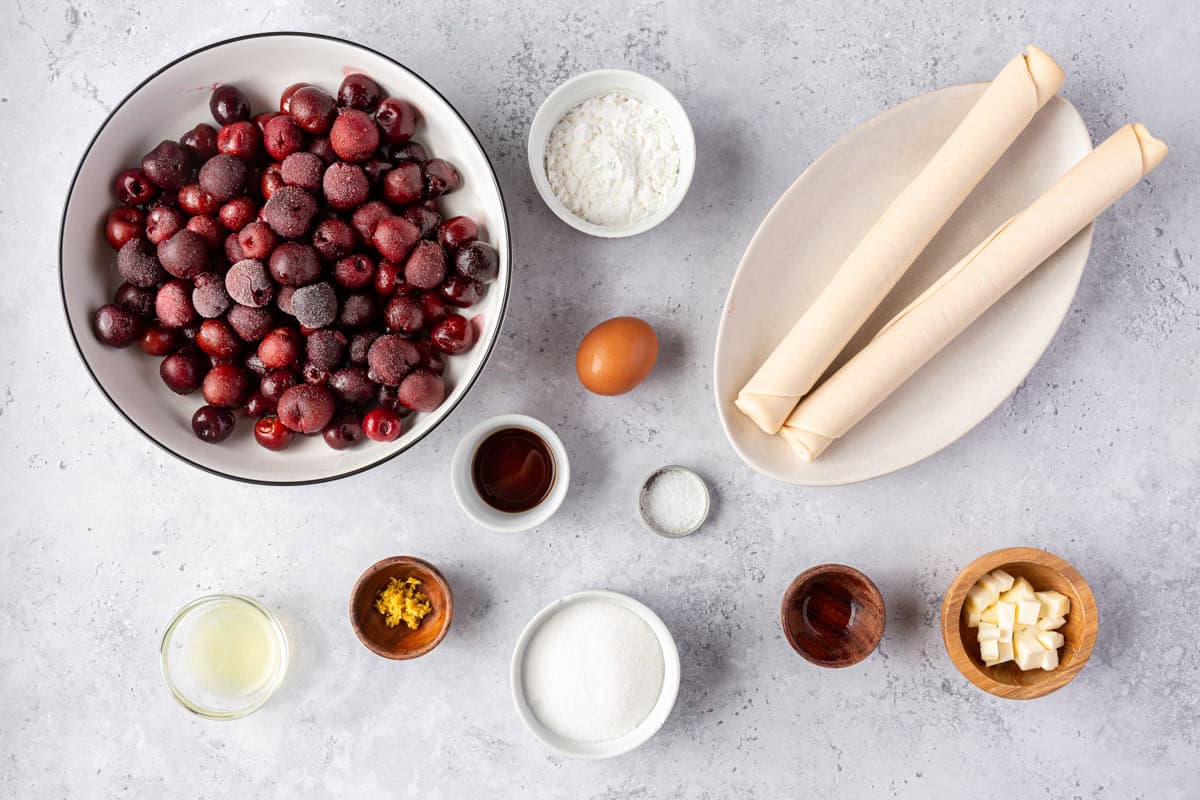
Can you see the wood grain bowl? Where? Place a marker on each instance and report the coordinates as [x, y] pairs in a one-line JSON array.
[[866, 620], [400, 642]]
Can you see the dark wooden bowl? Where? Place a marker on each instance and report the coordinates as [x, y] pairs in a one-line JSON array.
[[400, 642], [813, 621], [1046, 572]]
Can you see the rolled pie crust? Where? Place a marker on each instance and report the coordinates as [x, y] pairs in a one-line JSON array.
[[889, 248], [961, 295]]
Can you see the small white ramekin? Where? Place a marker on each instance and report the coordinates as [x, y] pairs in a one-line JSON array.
[[636, 737], [464, 485], [591, 84]]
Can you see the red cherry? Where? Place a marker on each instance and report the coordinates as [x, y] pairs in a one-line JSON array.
[[382, 425]]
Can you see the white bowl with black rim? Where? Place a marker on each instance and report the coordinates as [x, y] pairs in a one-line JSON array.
[[167, 104]]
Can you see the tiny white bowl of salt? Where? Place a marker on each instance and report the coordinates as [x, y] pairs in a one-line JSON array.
[[612, 152], [595, 674], [674, 501]]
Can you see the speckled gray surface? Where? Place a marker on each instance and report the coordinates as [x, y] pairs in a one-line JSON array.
[[1095, 457]]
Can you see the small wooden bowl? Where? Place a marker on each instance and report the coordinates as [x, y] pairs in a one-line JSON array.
[[1046, 572], [815, 625], [400, 642]]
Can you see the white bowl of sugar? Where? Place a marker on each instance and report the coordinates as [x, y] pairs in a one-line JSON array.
[[595, 674], [612, 153]]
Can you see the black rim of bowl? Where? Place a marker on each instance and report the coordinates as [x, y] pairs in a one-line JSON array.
[[470, 381]]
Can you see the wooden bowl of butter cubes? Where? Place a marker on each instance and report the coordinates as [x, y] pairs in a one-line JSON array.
[[1019, 623]]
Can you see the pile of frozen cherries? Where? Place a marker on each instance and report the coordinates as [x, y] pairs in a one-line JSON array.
[[294, 265]]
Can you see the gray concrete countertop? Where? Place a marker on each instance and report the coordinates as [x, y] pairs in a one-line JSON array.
[[1095, 457]]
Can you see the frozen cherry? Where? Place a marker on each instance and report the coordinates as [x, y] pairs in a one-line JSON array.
[[294, 264], [352, 386], [217, 339], [360, 345], [173, 304], [209, 296], [426, 219], [275, 383], [290, 211], [322, 149], [315, 305], [163, 222], [201, 142], [212, 424], [280, 348], [453, 335], [225, 385], [440, 177], [258, 406], [136, 299], [345, 185], [158, 340], [314, 374], [478, 261], [410, 151], [257, 240], [388, 278], [168, 166], [359, 91], [233, 249], [184, 255], [376, 168], [302, 169], [312, 108], [306, 408], [251, 324], [457, 231], [249, 283], [390, 358], [210, 231], [382, 425], [240, 139], [357, 311], [434, 306], [333, 238], [272, 434], [353, 272], [403, 184], [283, 299], [325, 347], [194, 200], [237, 213], [426, 267], [271, 181], [367, 216], [285, 99], [228, 105], [138, 265], [354, 135], [282, 137], [432, 359], [133, 187], [397, 119], [404, 315], [394, 237], [343, 432], [223, 176], [116, 326], [183, 370], [421, 390], [462, 292]]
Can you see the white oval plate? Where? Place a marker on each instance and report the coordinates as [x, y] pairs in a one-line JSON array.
[[170, 102], [819, 220], [636, 737]]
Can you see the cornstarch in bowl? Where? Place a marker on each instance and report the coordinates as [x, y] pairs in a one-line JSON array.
[[593, 671], [613, 160]]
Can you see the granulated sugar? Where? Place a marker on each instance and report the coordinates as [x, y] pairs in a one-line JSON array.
[[593, 671], [612, 160]]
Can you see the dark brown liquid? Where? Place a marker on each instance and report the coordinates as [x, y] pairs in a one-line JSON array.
[[513, 470], [827, 610]]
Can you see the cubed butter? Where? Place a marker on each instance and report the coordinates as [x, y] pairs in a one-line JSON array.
[[1051, 640], [1027, 611], [1050, 660], [993, 584], [972, 618], [1054, 604], [1006, 615], [979, 598], [988, 632], [1027, 650], [1021, 590], [1051, 623], [1005, 649], [990, 650], [1004, 580]]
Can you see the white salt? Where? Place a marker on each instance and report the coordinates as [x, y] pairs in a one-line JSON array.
[[674, 501], [593, 671]]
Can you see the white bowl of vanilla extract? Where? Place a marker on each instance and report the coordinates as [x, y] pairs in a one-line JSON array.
[[510, 473]]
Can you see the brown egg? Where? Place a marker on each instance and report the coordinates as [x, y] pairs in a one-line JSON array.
[[616, 355]]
